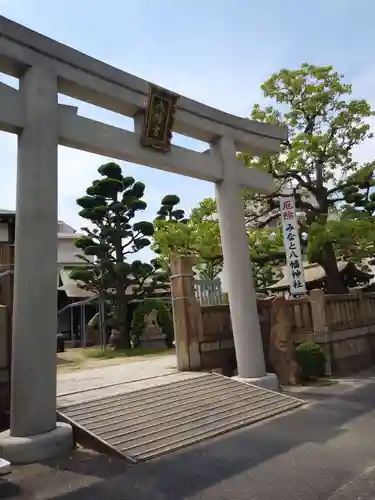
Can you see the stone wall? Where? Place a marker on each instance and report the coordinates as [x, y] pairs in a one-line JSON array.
[[216, 341], [344, 326], [347, 351], [216, 345], [203, 334]]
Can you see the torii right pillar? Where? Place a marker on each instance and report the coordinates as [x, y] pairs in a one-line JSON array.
[[238, 271]]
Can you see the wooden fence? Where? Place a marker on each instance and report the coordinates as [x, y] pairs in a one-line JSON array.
[[345, 312], [337, 312], [301, 315]]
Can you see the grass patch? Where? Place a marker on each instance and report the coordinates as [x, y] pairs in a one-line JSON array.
[[97, 353], [320, 382]]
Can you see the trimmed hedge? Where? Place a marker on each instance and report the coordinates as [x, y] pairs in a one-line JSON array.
[[311, 360]]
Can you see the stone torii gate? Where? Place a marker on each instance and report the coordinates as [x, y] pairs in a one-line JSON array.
[[45, 68]]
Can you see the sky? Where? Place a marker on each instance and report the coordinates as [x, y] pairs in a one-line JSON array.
[[218, 52]]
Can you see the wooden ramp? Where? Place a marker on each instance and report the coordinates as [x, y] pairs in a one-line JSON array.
[[147, 423]]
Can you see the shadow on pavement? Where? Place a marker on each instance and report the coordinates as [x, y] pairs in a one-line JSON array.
[[183, 475], [8, 489], [58, 474]]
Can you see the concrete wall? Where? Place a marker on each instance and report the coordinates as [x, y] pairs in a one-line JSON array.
[[64, 228], [216, 345], [347, 351], [66, 250]]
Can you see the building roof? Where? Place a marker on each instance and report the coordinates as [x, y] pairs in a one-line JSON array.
[[4, 212], [7, 215], [70, 286], [314, 272]]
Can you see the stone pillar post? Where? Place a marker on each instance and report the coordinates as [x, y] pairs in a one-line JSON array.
[[187, 319], [318, 312], [33, 432], [4, 366], [363, 308], [237, 267], [6, 299], [319, 321]]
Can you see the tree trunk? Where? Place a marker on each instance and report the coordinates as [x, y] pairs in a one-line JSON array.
[[334, 281], [120, 335], [120, 340]]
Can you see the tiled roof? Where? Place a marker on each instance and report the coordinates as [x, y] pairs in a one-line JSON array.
[[312, 272]]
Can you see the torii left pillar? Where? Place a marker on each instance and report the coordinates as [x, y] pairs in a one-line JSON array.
[[34, 434]]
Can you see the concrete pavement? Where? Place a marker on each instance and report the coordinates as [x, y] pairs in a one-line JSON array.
[[323, 452]]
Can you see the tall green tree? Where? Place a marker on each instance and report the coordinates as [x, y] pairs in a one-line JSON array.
[[359, 194], [352, 231], [196, 235], [199, 235], [325, 126], [169, 210], [110, 206]]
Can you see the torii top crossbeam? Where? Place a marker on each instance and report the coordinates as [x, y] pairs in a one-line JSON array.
[[85, 78]]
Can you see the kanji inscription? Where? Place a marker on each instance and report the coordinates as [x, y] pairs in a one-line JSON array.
[[158, 124], [292, 246]]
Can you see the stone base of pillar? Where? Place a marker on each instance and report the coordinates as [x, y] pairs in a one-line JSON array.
[[27, 450], [268, 381]]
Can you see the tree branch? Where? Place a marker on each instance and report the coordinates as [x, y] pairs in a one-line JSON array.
[[340, 187], [264, 223], [297, 176]]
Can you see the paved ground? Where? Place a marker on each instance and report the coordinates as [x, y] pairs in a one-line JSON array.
[[82, 385], [323, 452]]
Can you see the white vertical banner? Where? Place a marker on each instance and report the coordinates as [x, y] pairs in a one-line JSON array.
[[292, 245]]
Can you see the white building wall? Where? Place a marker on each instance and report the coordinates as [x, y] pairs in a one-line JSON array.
[[64, 228], [3, 232], [66, 250]]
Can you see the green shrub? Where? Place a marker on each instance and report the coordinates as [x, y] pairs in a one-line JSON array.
[[311, 360]]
